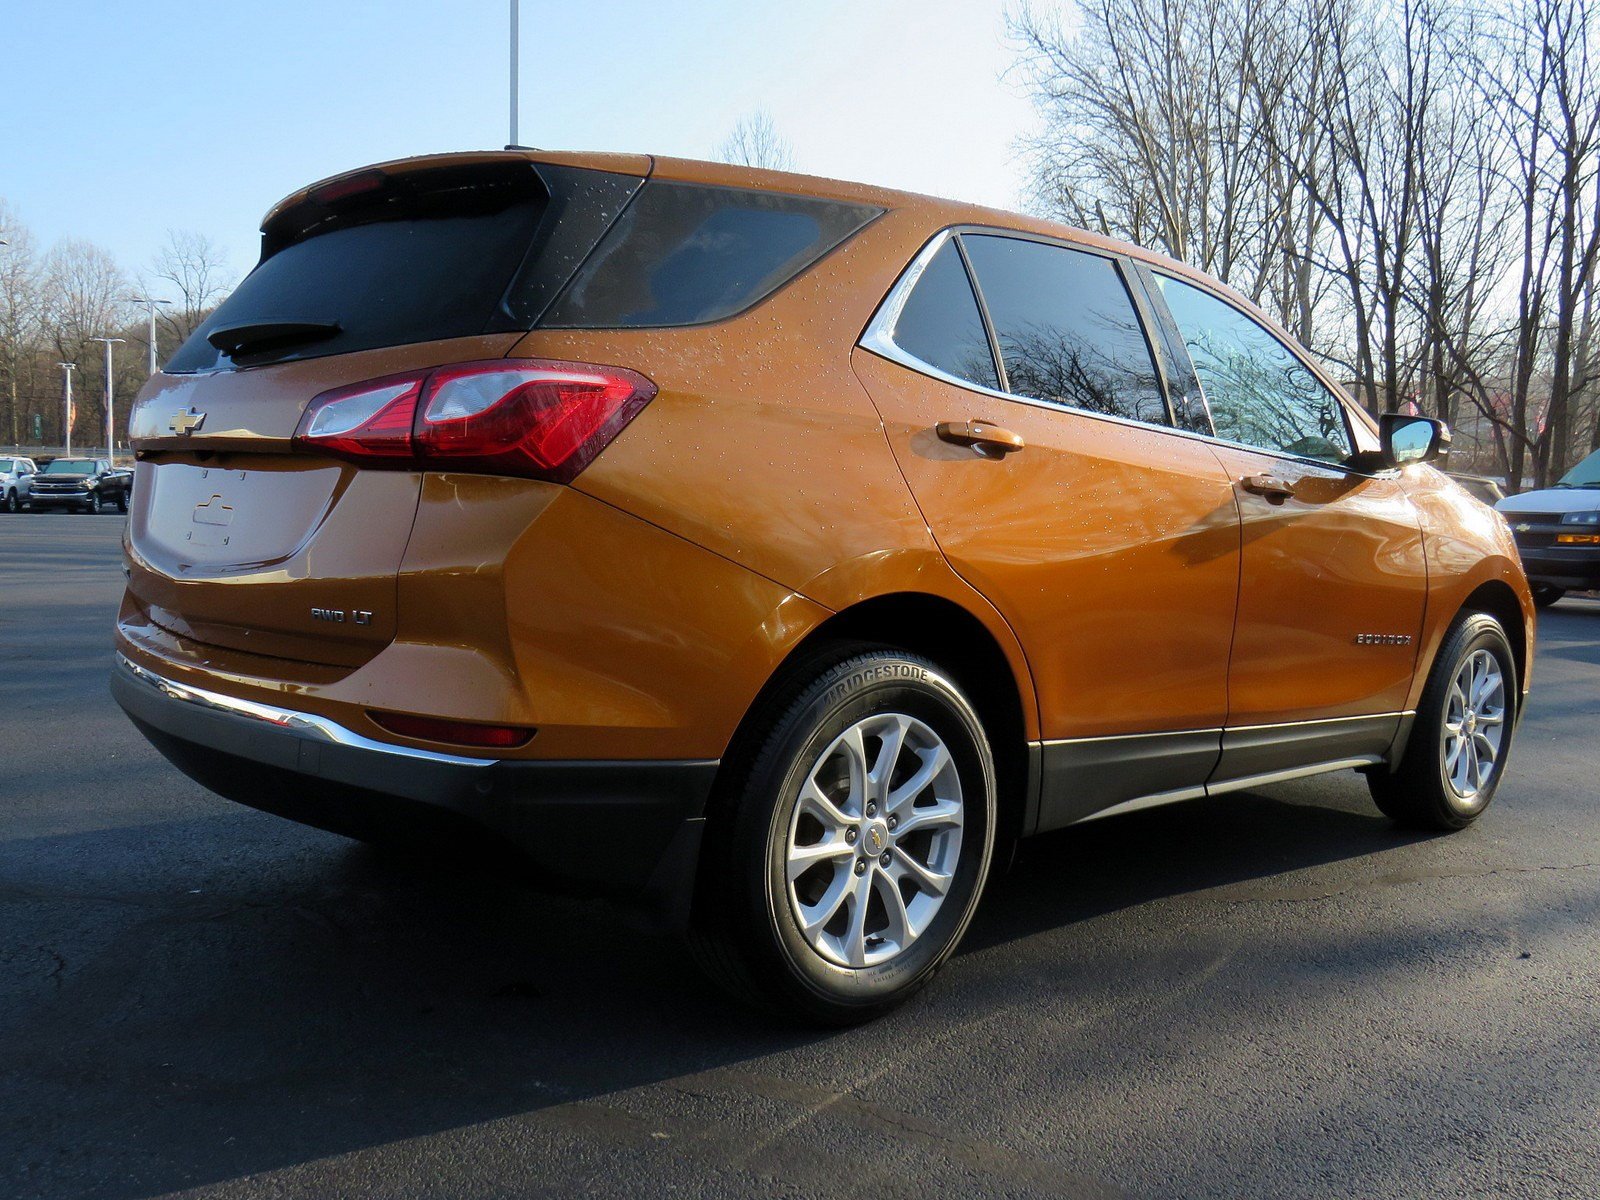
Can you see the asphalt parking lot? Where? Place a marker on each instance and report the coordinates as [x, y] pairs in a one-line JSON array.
[[1263, 995]]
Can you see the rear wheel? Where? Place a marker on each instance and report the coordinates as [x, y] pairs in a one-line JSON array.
[[855, 844], [122, 502], [1456, 753], [1544, 594]]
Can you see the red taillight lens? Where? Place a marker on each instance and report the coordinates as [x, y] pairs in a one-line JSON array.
[[455, 733], [542, 419], [369, 420]]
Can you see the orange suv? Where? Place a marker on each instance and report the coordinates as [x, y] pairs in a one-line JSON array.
[[772, 549]]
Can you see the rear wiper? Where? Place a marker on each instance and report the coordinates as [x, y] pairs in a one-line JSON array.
[[252, 337]]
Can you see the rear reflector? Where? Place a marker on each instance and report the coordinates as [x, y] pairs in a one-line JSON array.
[[454, 733], [504, 416]]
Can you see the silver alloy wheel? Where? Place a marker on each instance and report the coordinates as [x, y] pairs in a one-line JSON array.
[[1474, 724], [874, 840]]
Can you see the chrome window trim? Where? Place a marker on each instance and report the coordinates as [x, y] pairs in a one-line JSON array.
[[878, 338], [305, 724]]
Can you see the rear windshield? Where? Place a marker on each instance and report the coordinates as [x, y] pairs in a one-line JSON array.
[[457, 253], [414, 262], [685, 254]]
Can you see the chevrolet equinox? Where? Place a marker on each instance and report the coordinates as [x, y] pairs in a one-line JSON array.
[[777, 551]]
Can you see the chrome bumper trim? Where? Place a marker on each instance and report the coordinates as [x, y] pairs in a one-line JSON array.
[[304, 724]]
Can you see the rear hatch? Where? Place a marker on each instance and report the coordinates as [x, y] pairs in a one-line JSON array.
[[239, 538]]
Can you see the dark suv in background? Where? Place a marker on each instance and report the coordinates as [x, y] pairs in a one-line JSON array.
[[81, 485]]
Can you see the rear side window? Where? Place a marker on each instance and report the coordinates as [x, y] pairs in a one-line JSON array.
[[940, 323], [685, 254], [1067, 327], [1259, 392], [420, 259]]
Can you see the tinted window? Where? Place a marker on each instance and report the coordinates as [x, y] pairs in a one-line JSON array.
[[1259, 393], [940, 323], [683, 254], [580, 209], [431, 260], [1067, 327], [7, 466]]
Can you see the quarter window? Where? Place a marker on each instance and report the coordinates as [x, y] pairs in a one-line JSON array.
[[1067, 327], [686, 254], [940, 323], [1259, 392]]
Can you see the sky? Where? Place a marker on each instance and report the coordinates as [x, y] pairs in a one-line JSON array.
[[120, 121]]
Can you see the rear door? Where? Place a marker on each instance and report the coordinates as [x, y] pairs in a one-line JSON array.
[[1109, 540], [1333, 579], [237, 538]]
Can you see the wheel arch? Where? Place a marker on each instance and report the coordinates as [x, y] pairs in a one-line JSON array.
[[941, 630], [937, 628], [1497, 598]]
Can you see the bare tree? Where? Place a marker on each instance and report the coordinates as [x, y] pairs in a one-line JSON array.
[[85, 294], [1413, 186], [756, 142], [196, 269], [20, 326]]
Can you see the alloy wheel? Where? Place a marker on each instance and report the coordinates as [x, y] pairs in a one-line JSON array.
[[874, 840], [1474, 724]]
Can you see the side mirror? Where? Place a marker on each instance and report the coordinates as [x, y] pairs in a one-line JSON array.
[[1408, 440]]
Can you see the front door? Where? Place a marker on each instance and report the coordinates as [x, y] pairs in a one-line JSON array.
[[1109, 541], [1332, 580]]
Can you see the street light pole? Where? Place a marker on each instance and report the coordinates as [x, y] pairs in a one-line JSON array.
[[515, 47], [111, 428], [67, 369], [150, 305]]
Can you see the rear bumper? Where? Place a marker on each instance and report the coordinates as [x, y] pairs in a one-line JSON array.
[[630, 829]]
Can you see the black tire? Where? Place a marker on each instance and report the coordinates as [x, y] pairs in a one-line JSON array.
[[11, 505], [1419, 793], [1544, 594], [122, 502], [94, 506], [746, 933]]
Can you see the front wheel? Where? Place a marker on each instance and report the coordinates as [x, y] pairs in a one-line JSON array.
[[94, 506], [854, 846], [11, 502], [1456, 754]]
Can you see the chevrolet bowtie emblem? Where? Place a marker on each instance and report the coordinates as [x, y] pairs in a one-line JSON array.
[[186, 422]]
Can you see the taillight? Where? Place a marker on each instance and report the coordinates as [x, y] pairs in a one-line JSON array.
[[504, 416]]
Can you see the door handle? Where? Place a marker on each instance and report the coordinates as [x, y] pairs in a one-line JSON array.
[[983, 436], [1274, 489]]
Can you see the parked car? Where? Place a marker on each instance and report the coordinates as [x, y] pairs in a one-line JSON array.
[[81, 485], [773, 549], [16, 480], [1558, 532], [1481, 487]]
